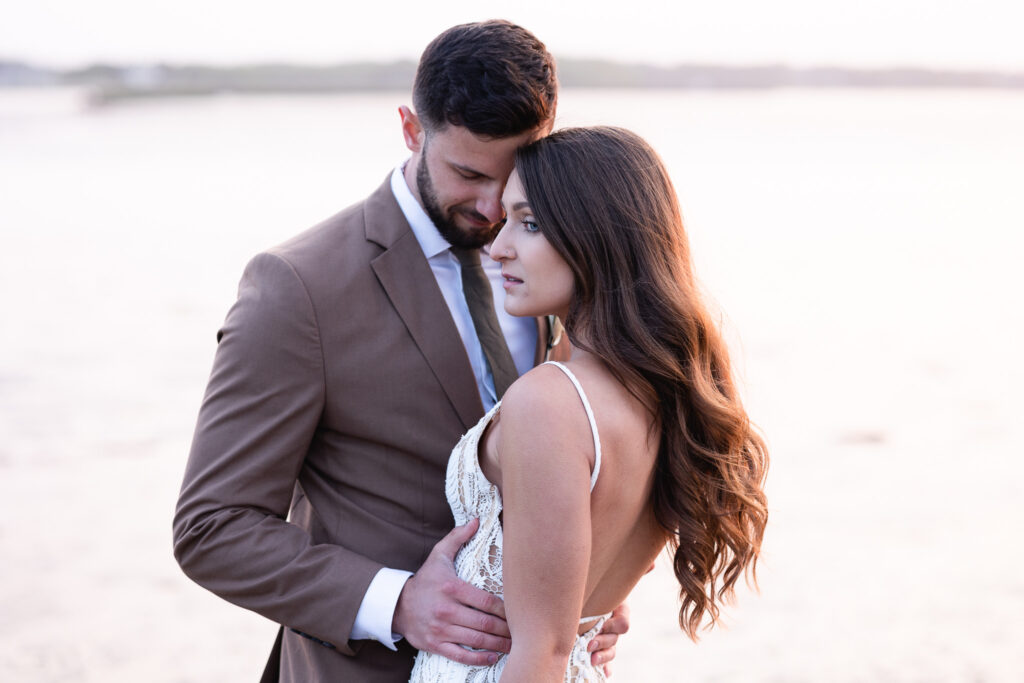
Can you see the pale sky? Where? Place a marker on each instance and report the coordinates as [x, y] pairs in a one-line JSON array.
[[868, 33]]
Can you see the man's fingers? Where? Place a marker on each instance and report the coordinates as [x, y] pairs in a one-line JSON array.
[[616, 625], [602, 647], [621, 612], [603, 657], [618, 622], [479, 640], [603, 641], [464, 656], [480, 600], [456, 538], [473, 620]]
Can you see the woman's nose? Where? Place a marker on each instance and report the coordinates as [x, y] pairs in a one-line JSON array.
[[501, 248]]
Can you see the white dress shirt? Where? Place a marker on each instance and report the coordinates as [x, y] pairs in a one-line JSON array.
[[373, 620]]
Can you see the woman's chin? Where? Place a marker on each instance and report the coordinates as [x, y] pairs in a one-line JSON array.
[[516, 311], [521, 310]]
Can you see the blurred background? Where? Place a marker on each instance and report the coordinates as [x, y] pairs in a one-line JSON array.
[[859, 228]]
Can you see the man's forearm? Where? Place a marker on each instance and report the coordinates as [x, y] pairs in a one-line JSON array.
[[271, 567]]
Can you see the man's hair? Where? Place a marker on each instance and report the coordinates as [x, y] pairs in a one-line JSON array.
[[494, 78]]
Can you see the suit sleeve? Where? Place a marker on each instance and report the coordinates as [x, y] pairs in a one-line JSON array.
[[258, 418]]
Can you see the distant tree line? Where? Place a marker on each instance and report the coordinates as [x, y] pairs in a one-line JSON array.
[[109, 83]]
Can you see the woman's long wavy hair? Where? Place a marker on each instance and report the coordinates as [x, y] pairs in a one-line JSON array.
[[604, 201]]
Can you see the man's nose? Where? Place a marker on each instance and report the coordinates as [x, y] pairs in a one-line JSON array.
[[490, 207]]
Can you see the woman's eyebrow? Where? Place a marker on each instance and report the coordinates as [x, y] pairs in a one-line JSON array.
[[520, 205]]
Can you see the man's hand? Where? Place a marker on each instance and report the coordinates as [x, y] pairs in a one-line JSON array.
[[603, 644], [438, 612]]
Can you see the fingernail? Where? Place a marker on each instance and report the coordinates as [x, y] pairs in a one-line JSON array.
[[492, 658], [592, 647]]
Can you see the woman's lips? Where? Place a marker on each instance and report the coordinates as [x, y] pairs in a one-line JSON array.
[[510, 281]]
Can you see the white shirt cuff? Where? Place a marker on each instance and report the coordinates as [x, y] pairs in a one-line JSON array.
[[373, 620]]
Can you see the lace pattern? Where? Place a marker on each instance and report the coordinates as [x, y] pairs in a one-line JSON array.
[[479, 562], [471, 495]]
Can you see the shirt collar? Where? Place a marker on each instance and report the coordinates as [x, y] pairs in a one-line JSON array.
[[423, 228]]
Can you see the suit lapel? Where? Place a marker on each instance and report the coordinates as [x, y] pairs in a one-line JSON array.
[[405, 275]]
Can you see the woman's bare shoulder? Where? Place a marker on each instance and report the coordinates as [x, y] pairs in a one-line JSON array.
[[543, 403], [537, 391]]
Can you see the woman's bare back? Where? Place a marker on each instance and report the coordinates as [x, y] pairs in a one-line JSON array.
[[625, 537]]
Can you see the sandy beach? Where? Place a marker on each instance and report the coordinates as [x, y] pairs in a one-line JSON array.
[[863, 249]]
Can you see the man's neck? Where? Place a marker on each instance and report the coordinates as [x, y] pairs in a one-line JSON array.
[[409, 173]]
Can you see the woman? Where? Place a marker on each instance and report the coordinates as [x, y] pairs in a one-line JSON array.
[[584, 471]]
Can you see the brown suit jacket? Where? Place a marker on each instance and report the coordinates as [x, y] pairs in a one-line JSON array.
[[339, 387]]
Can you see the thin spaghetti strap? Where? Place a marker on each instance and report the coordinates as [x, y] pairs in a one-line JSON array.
[[586, 620], [590, 416]]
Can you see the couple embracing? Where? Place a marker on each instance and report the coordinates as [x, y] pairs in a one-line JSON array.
[[322, 486]]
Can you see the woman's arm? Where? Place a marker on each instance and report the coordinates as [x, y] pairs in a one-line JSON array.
[[546, 451]]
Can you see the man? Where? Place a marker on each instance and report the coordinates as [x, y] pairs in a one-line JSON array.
[[348, 369]]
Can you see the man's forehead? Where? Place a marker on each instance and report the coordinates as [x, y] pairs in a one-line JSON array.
[[464, 149]]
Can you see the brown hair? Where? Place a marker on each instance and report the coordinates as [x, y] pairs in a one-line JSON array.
[[604, 201], [493, 77]]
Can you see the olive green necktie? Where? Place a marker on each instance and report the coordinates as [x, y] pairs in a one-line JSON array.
[[477, 290]]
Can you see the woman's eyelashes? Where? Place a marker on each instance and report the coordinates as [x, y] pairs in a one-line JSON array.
[[529, 224]]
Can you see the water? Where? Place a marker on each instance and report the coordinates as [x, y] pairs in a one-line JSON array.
[[862, 246]]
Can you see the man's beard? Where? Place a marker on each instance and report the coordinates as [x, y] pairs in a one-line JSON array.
[[445, 224]]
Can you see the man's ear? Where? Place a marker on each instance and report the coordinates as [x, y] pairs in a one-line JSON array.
[[412, 129]]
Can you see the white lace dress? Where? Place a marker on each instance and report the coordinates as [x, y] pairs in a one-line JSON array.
[[471, 495]]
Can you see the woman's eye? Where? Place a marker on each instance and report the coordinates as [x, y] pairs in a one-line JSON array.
[[530, 225]]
